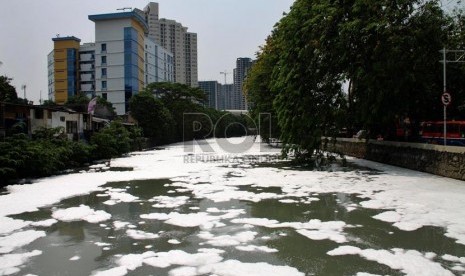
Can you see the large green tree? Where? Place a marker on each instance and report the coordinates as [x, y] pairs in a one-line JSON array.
[[153, 117], [258, 90], [386, 51], [182, 101]]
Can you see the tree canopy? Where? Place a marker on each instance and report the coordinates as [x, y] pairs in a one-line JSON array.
[[386, 52]]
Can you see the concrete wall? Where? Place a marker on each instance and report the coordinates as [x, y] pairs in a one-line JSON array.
[[446, 161]]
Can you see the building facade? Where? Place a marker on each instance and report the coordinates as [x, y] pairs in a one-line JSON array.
[[213, 91], [119, 64], [243, 66], [226, 97], [174, 37], [63, 68]]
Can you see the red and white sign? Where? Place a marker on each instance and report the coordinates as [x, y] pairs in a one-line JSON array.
[[446, 98]]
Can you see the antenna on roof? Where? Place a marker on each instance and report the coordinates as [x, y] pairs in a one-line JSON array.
[[123, 9]]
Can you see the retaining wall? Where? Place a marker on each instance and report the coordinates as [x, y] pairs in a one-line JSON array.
[[446, 161]]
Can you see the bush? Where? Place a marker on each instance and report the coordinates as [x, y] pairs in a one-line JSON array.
[[112, 141]]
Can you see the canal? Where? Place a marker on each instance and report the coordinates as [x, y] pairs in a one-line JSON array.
[[175, 212]]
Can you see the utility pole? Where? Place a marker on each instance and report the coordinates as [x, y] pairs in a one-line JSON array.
[[225, 73], [24, 90], [455, 56]]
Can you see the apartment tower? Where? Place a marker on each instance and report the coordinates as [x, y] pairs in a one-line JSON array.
[[243, 66], [174, 37]]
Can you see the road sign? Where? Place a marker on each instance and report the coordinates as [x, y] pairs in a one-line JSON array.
[[446, 99]]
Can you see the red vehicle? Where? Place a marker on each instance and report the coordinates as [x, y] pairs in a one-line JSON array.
[[433, 133]]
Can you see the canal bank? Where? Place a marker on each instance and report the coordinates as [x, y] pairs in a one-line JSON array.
[[445, 161]]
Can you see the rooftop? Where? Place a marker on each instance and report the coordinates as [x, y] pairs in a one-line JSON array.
[[120, 15]]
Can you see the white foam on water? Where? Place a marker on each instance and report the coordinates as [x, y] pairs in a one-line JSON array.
[[102, 244], [118, 196], [10, 263], [313, 229], [19, 239], [323, 235], [183, 271], [8, 225], [141, 235], [237, 268], [203, 220], [75, 258], [256, 248], [117, 271], [420, 199], [410, 262], [174, 241], [44, 223], [169, 202], [82, 212], [228, 240], [120, 224]]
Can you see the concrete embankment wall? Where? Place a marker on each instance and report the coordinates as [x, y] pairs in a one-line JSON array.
[[446, 161]]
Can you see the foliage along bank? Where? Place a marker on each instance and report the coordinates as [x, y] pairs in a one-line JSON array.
[[168, 112], [333, 65]]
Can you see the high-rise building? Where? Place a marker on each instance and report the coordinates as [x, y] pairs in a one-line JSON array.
[[226, 98], [121, 62], [174, 37], [213, 91], [243, 66], [87, 69], [63, 68]]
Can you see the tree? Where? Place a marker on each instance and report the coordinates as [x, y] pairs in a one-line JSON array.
[[258, 91], [7, 91], [153, 117], [182, 100], [80, 102], [112, 141], [386, 50]]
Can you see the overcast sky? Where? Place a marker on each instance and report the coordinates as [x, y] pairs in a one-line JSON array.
[[227, 29]]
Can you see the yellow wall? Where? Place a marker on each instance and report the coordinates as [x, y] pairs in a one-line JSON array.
[[61, 66], [140, 31]]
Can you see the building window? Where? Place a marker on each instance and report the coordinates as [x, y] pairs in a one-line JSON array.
[[104, 72], [104, 60], [105, 96], [71, 127], [39, 114], [104, 85], [104, 47]]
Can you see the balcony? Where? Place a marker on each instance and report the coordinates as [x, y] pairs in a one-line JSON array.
[[87, 87], [87, 67], [87, 77]]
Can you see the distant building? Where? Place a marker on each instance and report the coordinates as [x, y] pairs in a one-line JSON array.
[[243, 66], [226, 96], [121, 62], [213, 91], [174, 37]]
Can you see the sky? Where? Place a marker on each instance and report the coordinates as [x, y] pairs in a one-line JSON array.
[[227, 29]]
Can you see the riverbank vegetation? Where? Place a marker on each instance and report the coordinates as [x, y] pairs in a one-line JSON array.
[[164, 113], [173, 112], [330, 66]]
